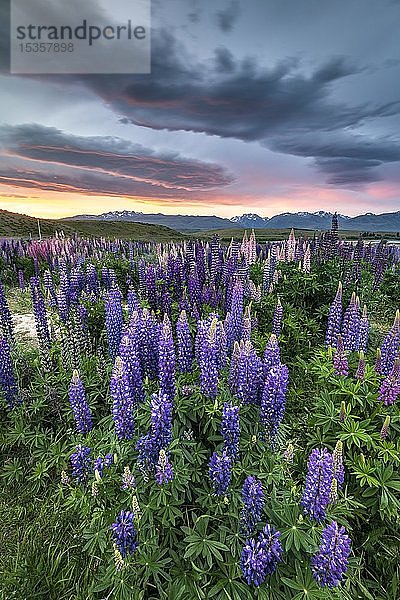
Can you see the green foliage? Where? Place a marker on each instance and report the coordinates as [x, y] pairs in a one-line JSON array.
[[57, 539]]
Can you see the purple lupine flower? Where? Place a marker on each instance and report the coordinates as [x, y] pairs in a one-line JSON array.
[[133, 302], [124, 533], [128, 352], [123, 401], [81, 463], [221, 346], [364, 329], [385, 428], [234, 367], [63, 294], [184, 339], [148, 452], [160, 435], [351, 324], [21, 280], [272, 355], [8, 384], [261, 556], [391, 346], [79, 405], [49, 286], [249, 375], [103, 463], [161, 420], [360, 373], [164, 472], [128, 480], [166, 361], [338, 466], [220, 472], [151, 287], [334, 319], [246, 333], [39, 309], [208, 361], [273, 400], [330, 563], [339, 360], [235, 323], [230, 429], [317, 490], [6, 325], [253, 503], [390, 387], [108, 460], [277, 320], [149, 338], [114, 321]]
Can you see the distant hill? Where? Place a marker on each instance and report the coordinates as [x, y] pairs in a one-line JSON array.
[[17, 225], [320, 220], [177, 222]]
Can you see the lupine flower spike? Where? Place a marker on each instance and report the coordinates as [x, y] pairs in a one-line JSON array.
[[338, 466], [339, 360], [385, 428], [390, 387], [253, 504], [261, 556], [79, 405], [220, 472], [330, 563], [164, 473], [230, 429], [124, 533], [360, 373], [316, 495]]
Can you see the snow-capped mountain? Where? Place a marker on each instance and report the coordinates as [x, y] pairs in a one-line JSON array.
[[320, 220]]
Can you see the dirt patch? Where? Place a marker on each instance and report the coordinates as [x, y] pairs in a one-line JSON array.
[[25, 327]]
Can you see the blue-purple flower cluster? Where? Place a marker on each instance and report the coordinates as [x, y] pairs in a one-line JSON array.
[[230, 429], [8, 384], [261, 556], [330, 563], [317, 491], [220, 472], [81, 462], [79, 405], [253, 503], [123, 401], [124, 533]]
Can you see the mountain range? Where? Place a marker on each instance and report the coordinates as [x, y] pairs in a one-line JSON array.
[[320, 220]]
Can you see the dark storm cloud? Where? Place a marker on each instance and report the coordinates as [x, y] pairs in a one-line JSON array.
[[281, 107], [48, 159], [234, 98], [224, 60], [227, 17], [345, 159], [345, 171]]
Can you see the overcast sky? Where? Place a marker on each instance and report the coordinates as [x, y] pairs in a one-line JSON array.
[[262, 106]]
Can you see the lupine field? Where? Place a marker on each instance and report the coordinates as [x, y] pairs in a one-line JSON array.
[[200, 420]]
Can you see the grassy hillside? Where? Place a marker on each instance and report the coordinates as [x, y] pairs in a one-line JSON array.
[[16, 225]]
